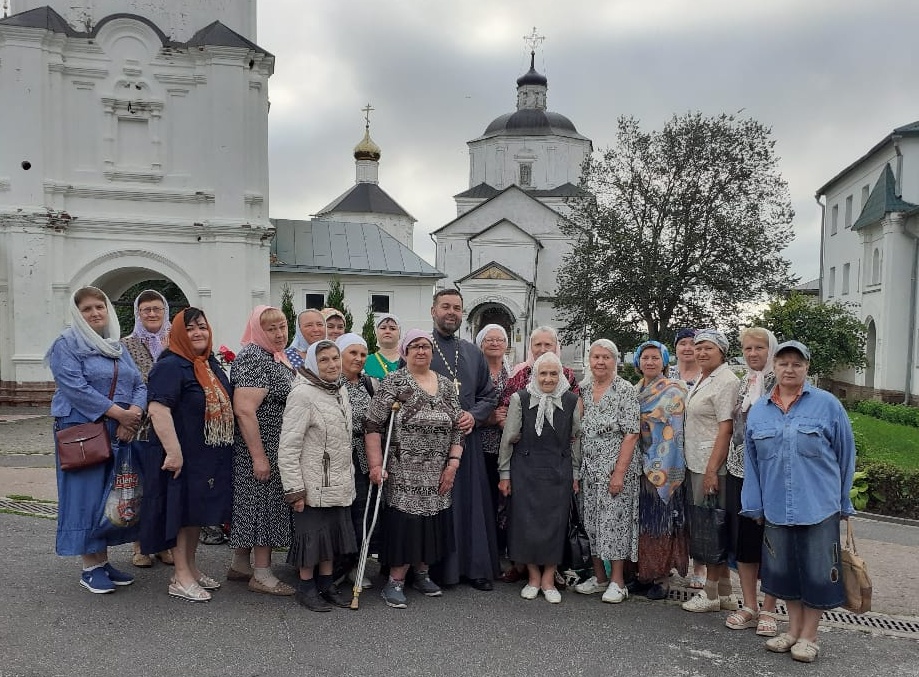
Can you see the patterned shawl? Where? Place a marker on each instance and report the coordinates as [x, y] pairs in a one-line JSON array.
[[663, 403], [218, 411]]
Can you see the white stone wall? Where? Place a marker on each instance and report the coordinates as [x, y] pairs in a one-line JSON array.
[[555, 160], [142, 163]]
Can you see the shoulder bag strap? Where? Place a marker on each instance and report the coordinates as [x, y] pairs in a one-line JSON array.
[[111, 391]]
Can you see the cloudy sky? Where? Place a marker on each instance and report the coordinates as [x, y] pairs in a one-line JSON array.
[[831, 77]]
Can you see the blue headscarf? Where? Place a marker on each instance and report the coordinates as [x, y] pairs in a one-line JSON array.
[[665, 354]]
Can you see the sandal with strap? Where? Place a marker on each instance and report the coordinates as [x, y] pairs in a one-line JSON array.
[[767, 626], [193, 592], [696, 582], [743, 618], [782, 643], [208, 583], [805, 651]]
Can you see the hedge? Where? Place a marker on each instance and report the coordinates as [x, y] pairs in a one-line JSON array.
[[891, 491], [892, 413]]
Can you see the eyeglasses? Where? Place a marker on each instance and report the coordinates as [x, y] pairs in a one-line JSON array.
[[494, 340], [419, 347], [152, 311]]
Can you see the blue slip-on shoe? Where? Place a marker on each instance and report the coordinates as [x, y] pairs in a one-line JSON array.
[[117, 577], [96, 580]]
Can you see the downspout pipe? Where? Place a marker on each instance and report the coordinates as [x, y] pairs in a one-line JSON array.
[[911, 341], [822, 241], [898, 188]]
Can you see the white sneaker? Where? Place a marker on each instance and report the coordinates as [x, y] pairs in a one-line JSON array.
[[529, 591], [701, 604], [614, 594], [729, 602], [552, 595], [590, 586]]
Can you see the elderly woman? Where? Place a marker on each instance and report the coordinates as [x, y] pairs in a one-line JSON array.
[[149, 338], [609, 471], [310, 329], [360, 389], [746, 535], [539, 465], [799, 460], [662, 542], [334, 323], [314, 459], [426, 450], [261, 377], [83, 361], [387, 358], [542, 340], [709, 425], [192, 414]]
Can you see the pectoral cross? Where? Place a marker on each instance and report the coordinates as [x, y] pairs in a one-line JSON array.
[[457, 384]]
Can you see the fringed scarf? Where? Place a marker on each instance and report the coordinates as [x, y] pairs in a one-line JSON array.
[[218, 411], [663, 403]]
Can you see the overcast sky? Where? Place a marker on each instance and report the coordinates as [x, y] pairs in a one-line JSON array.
[[831, 77]]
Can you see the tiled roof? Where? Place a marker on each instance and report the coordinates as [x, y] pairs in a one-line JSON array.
[[882, 201], [40, 17], [365, 198], [219, 35], [346, 248], [486, 192]]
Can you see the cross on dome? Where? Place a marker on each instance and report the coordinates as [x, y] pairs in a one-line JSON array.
[[533, 40]]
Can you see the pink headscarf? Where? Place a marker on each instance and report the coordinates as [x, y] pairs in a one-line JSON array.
[[255, 334], [412, 335]]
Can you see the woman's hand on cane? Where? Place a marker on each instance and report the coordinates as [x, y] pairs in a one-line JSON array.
[[378, 475]]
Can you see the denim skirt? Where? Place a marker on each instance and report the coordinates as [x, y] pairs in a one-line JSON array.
[[802, 563]]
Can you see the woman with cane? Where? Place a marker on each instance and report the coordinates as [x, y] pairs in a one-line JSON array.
[[425, 451]]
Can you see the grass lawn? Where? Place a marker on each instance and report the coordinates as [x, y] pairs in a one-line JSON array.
[[889, 442]]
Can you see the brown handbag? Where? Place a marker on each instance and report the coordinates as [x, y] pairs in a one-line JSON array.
[[86, 444], [855, 578]]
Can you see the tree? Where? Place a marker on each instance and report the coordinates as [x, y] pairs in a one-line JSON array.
[[835, 336], [336, 299], [369, 331], [678, 227], [287, 307]]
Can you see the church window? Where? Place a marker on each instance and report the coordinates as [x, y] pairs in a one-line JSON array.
[[845, 278], [526, 174], [315, 301], [834, 220], [848, 223], [876, 266], [379, 303], [831, 285], [866, 191]]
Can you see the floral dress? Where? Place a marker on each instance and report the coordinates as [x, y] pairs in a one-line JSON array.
[[260, 515], [611, 521]]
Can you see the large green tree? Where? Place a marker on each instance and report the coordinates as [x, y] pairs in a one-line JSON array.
[[835, 336], [681, 227]]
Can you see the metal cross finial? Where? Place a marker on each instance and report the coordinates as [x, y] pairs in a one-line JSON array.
[[533, 40], [367, 110]]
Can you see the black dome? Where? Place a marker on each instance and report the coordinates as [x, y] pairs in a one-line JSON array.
[[531, 122], [531, 77]]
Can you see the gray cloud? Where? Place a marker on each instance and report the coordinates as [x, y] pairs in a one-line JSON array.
[[830, 78]]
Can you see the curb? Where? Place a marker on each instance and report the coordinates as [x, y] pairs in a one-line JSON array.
[[903, 521]]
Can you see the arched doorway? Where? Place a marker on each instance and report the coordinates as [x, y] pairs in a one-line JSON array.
[[870, 351], [491, 313], [122, 285]]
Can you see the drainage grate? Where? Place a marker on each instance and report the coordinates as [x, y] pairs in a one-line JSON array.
[[840, 619], [26, 507]]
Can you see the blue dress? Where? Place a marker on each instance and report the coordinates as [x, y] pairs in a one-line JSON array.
[[202, 494], [84, 378]]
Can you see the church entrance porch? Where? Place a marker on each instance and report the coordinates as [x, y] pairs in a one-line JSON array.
[[495, 313]]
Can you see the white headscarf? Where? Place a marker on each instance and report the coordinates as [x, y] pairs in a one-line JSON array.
[[547, 403], [345, 341], [310, 361], [108, 343], [386, 316], [299, 342], [480, 337], [756, 379]]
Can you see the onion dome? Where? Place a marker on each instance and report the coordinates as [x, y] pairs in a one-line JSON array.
[[367, 149]]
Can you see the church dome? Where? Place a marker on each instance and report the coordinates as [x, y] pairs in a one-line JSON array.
[[367, 149], [532, 77], [531, 122]]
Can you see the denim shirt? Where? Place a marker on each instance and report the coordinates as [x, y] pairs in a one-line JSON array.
[[798, 466], [84, 379]]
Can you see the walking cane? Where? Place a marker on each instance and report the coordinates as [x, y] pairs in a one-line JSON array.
[[368, 531]]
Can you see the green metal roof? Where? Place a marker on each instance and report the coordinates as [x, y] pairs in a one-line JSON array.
[[882, 201]]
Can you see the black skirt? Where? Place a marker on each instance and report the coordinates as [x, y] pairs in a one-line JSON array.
[[411, 539], [321, 534]]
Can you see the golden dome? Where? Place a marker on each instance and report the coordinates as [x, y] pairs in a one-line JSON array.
[[367, 149]]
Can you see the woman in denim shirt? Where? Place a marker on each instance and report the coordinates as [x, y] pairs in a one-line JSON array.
[[82, 361], [798, 467]]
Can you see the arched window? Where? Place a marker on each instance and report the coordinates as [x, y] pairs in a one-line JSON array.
[[876, 266]]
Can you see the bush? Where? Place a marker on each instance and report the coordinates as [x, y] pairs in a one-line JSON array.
[[891, 491], [892, 413]]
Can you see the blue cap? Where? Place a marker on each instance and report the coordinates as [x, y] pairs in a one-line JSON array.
[[794, 345]]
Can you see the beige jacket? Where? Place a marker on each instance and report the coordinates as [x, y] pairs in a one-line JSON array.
[[314, 456]]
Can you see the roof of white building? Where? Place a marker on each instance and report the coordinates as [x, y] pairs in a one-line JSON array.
[[319, 246], [912, 129], [365, 198], [882, 201]]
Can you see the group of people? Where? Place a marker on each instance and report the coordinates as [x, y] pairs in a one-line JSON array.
[[472, 460]]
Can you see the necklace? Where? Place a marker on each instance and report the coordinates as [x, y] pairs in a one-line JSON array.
[[454, 371]]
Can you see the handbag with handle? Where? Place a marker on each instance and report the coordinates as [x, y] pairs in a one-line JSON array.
[[86, 444], [708, 532], [855, 578]]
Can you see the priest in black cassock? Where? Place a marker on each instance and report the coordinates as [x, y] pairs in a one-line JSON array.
[[475, 556]]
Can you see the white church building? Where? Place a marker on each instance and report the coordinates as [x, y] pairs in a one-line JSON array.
[[504, 248], [870, 262]]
